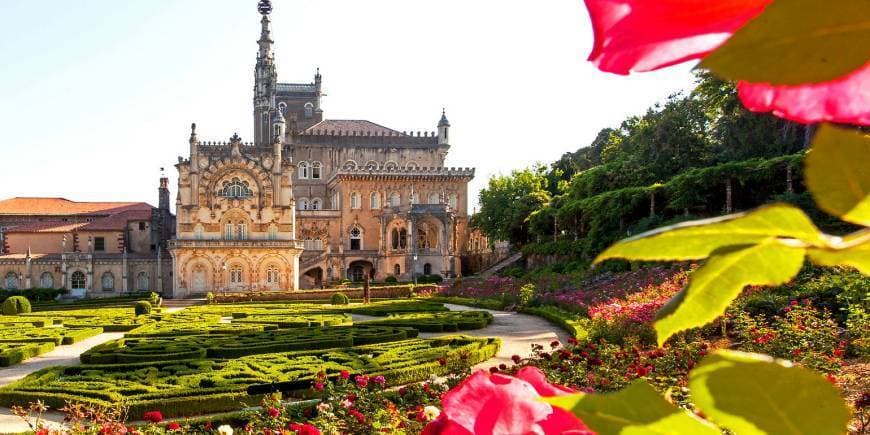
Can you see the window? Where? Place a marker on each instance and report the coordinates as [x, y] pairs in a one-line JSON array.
[[141, 226], [315, 170], [391, 166], [243, 231], [236, 275], [427, 269], [403, 238], [415, 198], [303, 204], [303, 170], [434, 199], [77, 281], [236, 189], [198, 232], [108, 282], [273, 232], [143, 284], [11, 281], [336, 201], [397, 270], [315, 244], [46, 280], [412, 166], [395, 199], [355, 239], [375, 201], [422, 239], [349, 165], [272, 277], [309, 110], [395, 238], [317, 204], [372, 165], [453, 200], [99, 244], [228, 231], [355, 202]]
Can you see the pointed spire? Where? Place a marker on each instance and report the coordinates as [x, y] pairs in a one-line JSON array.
[[193, 132], [444, 122], [265, 42]]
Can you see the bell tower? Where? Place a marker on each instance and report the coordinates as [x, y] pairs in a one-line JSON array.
[[265, 78]]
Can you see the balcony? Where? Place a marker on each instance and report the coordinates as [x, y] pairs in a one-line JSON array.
[[231, 244]]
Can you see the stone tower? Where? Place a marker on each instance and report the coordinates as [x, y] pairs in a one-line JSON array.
[[265, 78]]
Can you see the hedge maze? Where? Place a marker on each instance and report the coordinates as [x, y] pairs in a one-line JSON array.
[[217, 358]]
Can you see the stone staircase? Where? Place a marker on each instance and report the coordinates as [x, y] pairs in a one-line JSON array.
[[501, 265]]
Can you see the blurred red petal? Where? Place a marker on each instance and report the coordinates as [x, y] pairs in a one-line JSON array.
[[644, 35], [538, 379], [845, 100]]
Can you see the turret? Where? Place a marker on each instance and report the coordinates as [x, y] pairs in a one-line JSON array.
[[265, 78], [163, 192], [443, 129], [194, 149]]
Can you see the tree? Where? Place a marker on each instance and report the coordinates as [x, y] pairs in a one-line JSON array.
[[507, 203]]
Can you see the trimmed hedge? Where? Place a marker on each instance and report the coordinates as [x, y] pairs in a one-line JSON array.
[[339, 299], [57, 336], [15, 305], [142, 308], [570, 322], [450, 321], [14, 353]]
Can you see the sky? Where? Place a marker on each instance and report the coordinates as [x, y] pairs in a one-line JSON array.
[[97, 95]]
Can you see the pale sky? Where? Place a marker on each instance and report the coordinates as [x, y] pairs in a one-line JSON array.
[[97, 95]]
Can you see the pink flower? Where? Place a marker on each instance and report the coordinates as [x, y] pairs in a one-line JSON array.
[[173, 426], [318, 386], [362, 381], [501, 404], [273, 412], [380, 380], [345, 374]]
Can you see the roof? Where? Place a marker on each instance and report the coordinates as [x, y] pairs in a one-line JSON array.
[[351, 125], [296, 88], [115, 222], [65, 207]]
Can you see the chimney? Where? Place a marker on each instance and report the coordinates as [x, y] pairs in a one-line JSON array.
[[163, 202]]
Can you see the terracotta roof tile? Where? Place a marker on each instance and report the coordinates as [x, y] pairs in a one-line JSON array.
[[359, 126], [46, 227], [65, 207]]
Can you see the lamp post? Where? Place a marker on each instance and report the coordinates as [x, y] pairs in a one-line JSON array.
[[224, 278], [414, 268]]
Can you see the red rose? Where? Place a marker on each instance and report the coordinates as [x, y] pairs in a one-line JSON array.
[[173, 426], [274, 412], [345, 374], [318, 386], [153, 416]]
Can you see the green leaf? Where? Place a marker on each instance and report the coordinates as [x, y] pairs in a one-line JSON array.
[[797, 41], [697, 239], [856, 253], [753, 394], [636, 409], [721, 279], [838, 172]]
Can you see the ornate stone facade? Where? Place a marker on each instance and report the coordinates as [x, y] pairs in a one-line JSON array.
[[313, 200]]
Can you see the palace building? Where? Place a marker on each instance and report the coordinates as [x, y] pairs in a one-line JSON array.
[[308, 201], [312, 200]]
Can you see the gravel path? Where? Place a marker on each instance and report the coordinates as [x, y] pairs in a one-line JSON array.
[[517, 332]]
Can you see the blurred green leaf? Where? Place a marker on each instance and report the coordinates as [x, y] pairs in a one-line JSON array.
[[753, 394], [838, 172]]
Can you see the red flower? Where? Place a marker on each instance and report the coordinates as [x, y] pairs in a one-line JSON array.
[[360, 418], [380, 380], [273, 412], [153, 416], [500, 404], [362, 381], [304, 429], [173, 426], [318, 386], [41, 432], [642, 35], [345, 374]]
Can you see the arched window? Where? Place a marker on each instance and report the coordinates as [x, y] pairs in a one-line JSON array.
[[273, 232], [412, 166], [77, 281], [372, 165], [108, 282], [198, 232], [355, 239], [236, 189], [318, 244], [434, 198], [303, 170], [302, 204], [143, 284], [375, 200], [315, 170], [355, 202], [427, 269], [11, 281], [46, 280], [243, 231], [397, 270], [309, 110], [349, 165], [316, 204], [395, 238], [452, 200], [236, 275], [229, 231], [395, 199], [422, 239], [336, 201], [391, 166]]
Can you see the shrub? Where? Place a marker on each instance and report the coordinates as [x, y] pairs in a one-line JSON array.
[[340, 299], [142, 308], [527, 293], [209, 297], [15, 305], [391, 280]]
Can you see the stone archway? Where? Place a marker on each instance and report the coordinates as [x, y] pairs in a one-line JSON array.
[[313, 278], [359, 269]]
